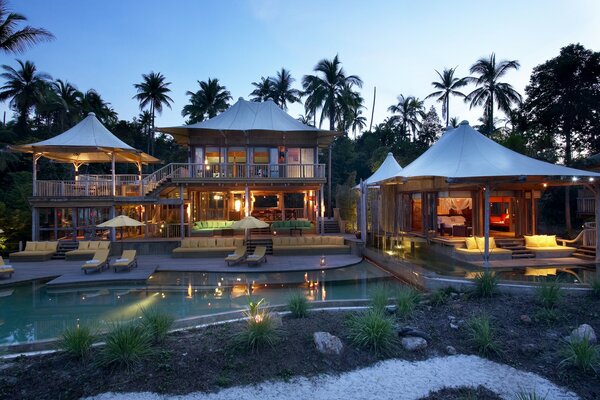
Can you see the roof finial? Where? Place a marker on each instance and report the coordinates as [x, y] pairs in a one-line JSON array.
[[91, 114]]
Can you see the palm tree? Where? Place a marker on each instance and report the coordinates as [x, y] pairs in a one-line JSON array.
[[447, 86], [490, 89], [152, 91], [454, 122], [210, 100], [91, 101], [324, 88], [263, 90], [69, 105], [349, 109], [282, 90], [14, 40], [24, 87], [407, 114]]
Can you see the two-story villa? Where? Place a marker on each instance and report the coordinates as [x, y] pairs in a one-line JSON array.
[[253, 159]]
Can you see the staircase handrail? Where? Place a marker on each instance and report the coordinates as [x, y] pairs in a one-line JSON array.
[[577, 239]]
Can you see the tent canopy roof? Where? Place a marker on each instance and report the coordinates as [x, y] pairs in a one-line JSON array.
[[463, 152], [87, 142], [389, 168], [249, 116]]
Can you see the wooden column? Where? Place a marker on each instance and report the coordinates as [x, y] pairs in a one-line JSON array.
[[36, 157], [486, 225], [181, 214], [113, 173]]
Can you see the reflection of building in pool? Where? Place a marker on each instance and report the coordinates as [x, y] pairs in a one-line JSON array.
[[253, 159], [468, 185]]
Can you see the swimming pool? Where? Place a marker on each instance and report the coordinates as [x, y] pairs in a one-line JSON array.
[[34, 311]]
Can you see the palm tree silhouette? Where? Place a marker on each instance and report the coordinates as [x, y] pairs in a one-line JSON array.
[[211, 99], [447, 86], [14, 40], [490, 88], [152, 91]]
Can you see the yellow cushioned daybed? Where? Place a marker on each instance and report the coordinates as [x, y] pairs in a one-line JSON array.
[[206, 247], [545, 246], [301, 245], [35, 251], [475, 247], [86, 250]]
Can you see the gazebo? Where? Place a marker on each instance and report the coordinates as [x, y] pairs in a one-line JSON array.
[[85, 143], [464, 159]]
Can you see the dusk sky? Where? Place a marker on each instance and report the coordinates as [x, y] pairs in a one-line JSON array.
[[393, 45]]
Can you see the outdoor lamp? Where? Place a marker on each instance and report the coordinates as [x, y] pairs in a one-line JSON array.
[[323, 262]]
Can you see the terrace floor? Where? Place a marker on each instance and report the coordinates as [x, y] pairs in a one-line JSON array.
[[61, 272]]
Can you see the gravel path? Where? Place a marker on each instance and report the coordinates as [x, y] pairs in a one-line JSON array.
[[391, 379]]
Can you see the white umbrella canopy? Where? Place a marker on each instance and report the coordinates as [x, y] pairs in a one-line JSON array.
[[120, 222], [249, 223]]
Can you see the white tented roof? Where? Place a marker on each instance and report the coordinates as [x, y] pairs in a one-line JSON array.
[[389, 168], [88, 141], [248, 116], [463, 152]]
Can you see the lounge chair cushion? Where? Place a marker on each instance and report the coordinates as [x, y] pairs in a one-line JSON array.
[[471, 243], [104, 246], [83, 246], [40, 246], [30, 246], [481, 243], [94, 245]]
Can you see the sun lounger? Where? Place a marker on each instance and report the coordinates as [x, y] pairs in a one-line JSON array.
[[259, 255], [237, 256], [99, 261], [6, 271], [127, 261]]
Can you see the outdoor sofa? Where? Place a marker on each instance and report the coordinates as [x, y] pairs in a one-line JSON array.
[[206, 247], [86, 250], [475, 247], [303, 245], [285, 226], [209, 228], [35, 251], [546, 246]]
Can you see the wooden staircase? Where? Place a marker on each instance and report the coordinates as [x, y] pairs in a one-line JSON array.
[[252, 243], [331, 225], [585, 253], [516, 245], [63, 247]]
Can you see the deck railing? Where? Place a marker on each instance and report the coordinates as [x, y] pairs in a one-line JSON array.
[[127, 185]]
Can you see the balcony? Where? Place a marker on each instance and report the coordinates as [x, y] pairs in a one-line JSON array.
[[131, 185]]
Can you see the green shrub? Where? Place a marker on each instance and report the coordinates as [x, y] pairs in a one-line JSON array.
[[156, 323], [439, 297], [372, 330], [522, 395], [127, 346], [407, 299], [254, 307], [595, 285], [548, 294], [379, 298], [547, 315], [581, 354], [261, 330], [298, 305], [486, 284], [481, 335], [77, 341]]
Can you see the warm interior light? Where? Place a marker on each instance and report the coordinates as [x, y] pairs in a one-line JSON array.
[[591, 179], [237, 205], [189, 291], [545, 185], [574, 179]]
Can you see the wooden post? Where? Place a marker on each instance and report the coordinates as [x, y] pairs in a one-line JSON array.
[[486, 225], [597, 197], [113, 172], [181, 213], [322, 211], [36, 157], [247, 201]]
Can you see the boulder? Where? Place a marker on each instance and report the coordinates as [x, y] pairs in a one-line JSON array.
[[412, 331], [327, 343], [451, 350], [584, 331], [413, 343]]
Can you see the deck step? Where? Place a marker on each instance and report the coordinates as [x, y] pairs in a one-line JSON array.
[[522, 255], [63, 247], [252, 243], [584, 256]]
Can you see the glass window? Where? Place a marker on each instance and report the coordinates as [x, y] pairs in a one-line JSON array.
[[236, 155], [293, 155], [198, 155], [213, 155], [261, 155]]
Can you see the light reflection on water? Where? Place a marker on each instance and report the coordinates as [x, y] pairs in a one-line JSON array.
[[35, 311]]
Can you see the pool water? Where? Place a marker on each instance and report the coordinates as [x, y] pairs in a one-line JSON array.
[[36, 311]]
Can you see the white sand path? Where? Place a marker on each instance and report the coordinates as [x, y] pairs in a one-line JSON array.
[[391, 379]]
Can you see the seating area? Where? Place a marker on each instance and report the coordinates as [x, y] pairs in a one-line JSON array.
[[206, 247], [98, 262], [475, 247], [209, 228], [86, 250], [299, 245], [6, 271], [285, 226], [546, 246], [446, 222], [35, 251]]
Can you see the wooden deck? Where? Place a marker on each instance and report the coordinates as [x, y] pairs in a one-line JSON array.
[[536, 263], [63, 273]]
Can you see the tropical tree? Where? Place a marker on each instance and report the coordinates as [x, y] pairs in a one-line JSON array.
[[431, 128], [152, 92], [211, 99], [92, 101], [69, 105], [454, 121], [407, 115], [282, 91], [490, 89], [349, 110], [263, 90], [25, 87], [15, 39], [326, 87], [447, 86]]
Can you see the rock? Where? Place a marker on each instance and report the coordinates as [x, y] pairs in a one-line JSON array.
[[453, 326], [450, 350], [526, 319], [390, 309], [326, 343], [412, 343], [582, 332], [454, 296], [451, 317], [410, 331]]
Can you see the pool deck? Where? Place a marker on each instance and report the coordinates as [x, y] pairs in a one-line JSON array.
[[70, 273], [536, 262]]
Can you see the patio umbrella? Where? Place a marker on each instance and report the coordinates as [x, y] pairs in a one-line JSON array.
[[120, 221], [249, 223]]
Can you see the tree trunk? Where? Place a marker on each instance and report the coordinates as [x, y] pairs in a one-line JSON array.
[[447, 110]]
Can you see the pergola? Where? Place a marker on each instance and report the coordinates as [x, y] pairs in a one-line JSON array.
[[463, 158], [85, 143]]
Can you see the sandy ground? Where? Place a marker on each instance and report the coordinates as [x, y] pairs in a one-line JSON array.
[[391, 379]]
